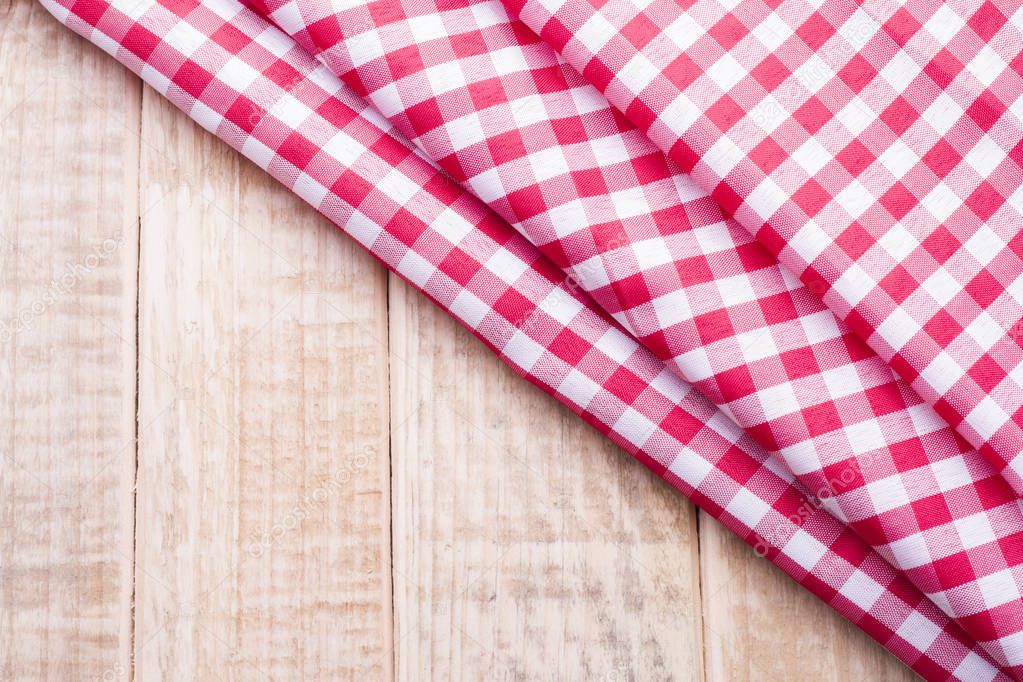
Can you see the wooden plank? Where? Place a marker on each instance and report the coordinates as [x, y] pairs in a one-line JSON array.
[[526, 546], [263, 494], [761, 625], [68, 238]]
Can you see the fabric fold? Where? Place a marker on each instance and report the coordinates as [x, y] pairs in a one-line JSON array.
[[250, 85], [874, 147], [495, 107]]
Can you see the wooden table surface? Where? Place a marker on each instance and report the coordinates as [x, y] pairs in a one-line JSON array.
[[234, 447]]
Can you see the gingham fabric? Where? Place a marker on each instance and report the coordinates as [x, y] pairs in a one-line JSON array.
[[874, 146], [495, 107], [247, 83]]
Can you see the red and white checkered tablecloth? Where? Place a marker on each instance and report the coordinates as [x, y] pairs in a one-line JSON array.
[[874, 146], [257, 90], [496, 107]]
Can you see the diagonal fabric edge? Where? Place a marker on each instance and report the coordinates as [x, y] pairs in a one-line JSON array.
[[439, 71]]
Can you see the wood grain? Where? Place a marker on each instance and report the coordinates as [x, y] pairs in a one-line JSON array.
[[525, 545], [67, 351], [333, 479], [263, 533], [761, 625]]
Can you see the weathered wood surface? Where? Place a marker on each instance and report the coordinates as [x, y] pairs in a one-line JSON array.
[[68, 263]]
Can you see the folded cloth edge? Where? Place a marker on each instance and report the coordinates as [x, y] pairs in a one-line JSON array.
[[81, 16]]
